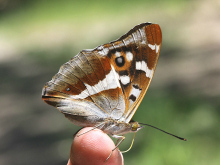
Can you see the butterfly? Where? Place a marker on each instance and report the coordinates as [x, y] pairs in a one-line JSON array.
[[103, 87]]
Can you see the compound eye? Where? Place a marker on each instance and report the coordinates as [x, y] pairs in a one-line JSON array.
[[134, 126]]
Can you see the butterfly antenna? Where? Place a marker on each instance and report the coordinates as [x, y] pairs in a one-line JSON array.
[[164, 131]]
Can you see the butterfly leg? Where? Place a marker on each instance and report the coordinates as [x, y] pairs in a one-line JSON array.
[[99, 126], [119, 141]]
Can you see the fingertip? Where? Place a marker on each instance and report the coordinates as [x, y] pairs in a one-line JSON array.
[[94, 147], [69, 162]]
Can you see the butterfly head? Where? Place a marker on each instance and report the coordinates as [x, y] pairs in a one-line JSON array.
[[135, 126]]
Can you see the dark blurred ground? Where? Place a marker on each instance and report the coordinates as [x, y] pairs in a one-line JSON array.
[[37, 37]]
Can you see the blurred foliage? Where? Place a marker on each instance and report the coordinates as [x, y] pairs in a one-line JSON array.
[[37, 37]]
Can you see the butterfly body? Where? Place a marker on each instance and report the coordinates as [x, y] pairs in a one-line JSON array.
[[103, 87]]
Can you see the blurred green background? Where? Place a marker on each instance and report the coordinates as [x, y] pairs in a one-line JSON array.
[[37, 37]]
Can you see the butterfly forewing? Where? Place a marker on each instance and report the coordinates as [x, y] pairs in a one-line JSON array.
[[134, 57], [145, 68]]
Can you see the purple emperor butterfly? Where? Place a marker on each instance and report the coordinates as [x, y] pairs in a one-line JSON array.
[[103, 87]]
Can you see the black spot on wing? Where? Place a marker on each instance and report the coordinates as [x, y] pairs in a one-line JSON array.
[[132, 97], [68, 89], [120, 61], [136, 86], [123, 72], [127, 48]]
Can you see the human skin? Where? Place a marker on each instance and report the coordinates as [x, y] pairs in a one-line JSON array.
[[93, 148]]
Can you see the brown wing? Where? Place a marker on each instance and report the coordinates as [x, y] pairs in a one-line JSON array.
[[134, 57], [108, 81], [85, 86]]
